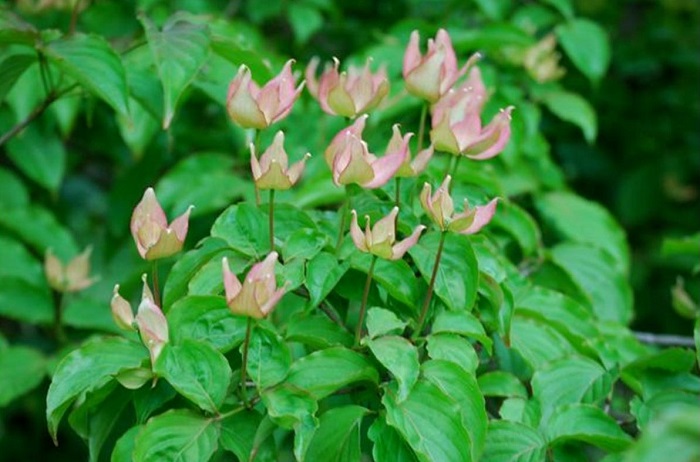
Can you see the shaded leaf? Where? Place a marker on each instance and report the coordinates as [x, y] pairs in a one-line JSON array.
[[23, 368], [400, 357], [177, 435], [337, 437], [511, 442], [582, 422]]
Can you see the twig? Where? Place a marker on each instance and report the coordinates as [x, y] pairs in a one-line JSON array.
[[664, 339]]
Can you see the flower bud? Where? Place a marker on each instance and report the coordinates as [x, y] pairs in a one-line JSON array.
[[149, 228], [121, 311], [72, 277], [272, 171], [350, 93], [381, 239], [253, 107], [258, 294], [153, 327], [440, 209]]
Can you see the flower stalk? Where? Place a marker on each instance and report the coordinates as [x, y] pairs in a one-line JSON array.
[[431, 287], [244, 362], [363, 306], [271, 210]]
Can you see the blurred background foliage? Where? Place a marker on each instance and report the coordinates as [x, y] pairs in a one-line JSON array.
[[620, 127]]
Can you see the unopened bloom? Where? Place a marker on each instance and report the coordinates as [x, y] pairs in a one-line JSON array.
[[381, 239], [440, 209], [351, 162], [258, 294], [272, 171], [149, 227], [72, 277], [409, 167], [150, 320], [457, 125], [253, 107], [542, 62], [431, 75], [347, 93], [121, 311]]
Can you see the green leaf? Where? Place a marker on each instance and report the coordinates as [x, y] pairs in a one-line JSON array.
[[323, 272], [13, 193], [211, 184], [430, 423], [208, 319], [519, 225], [573, 108], [245, 228], [288, 406], [537, 342], [197, 371], [39, 228], [13, 30], [577, 219], [501, 384], [88, 367], [400, 357], [23, 368], [565, 7], [289, 219], [495, 305], [91, 61], [587, 45], [337, 438], [179, 50], [177, 435], [147, 400], [97, 415], [495, 10], [458, 273], [26, 302], [574, 379], [583, 422], [674, 435], [323, 372], [389, 445], [303, 244], [305, 21], [455, 349], [561, 312], [124, 447], [317, 331], [269, 358], [462, 323], [382, 322], [396, 277], [139, 129], [11, 69], [594, 271], [238, 432], [511, 441], [661, 403], [40, 156], [670, 359], [187, 266], [462, 388]]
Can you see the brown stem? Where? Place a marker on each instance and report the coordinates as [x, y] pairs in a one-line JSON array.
[[664, 339], [244, 362], [343, 219], [363, 307], [431, 287]]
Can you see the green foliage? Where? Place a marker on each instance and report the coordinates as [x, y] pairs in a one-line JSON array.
[[513, 343]]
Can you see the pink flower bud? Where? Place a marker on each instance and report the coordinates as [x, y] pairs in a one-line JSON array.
[[253, 107], [457, 125], [409, 167], [149, 227], [350, 93], [351, 162], [431, 75], [121, 311], [258, 294], [72, 277], [381, 239], [153, 327], [272, 171], [440, 209]]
